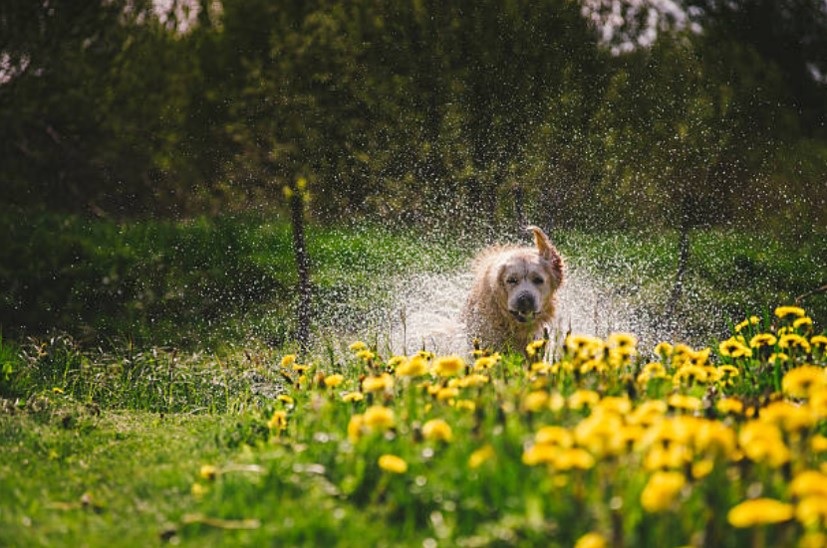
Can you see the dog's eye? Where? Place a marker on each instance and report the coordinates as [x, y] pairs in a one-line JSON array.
[[511, 281], [538, 280]]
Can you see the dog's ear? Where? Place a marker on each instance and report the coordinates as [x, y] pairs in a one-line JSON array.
[[544, 247], [547, 250]]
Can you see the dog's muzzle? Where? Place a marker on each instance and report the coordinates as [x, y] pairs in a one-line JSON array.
[[525, 308]]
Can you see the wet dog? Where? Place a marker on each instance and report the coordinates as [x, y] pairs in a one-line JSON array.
[[512, 298]]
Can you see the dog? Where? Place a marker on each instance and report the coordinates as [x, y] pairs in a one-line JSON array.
[[513, 295]]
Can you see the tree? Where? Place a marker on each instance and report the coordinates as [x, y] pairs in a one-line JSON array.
[[88, 104]]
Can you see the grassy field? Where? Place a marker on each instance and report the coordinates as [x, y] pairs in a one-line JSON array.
[[167, 404]]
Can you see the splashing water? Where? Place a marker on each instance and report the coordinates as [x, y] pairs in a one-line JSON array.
[[426, 308]]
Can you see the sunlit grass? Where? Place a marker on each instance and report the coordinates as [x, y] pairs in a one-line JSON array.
[[721, 445]]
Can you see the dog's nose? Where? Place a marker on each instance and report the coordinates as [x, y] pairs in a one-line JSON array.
[[525, 303]]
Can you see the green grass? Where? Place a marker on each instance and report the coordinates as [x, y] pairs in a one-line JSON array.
[[72, 475], [133, 354], [203, 283]]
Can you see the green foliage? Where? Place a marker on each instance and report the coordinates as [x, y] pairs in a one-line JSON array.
[[139, 280], [491, 112]]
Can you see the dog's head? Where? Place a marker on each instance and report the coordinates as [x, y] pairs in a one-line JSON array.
[[530, 277]]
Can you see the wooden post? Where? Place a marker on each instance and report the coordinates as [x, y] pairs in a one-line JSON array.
[[297, 199]]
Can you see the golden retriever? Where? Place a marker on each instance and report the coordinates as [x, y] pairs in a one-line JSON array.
[[512, 298]]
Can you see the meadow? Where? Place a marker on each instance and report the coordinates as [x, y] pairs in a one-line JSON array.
[[181, 411]]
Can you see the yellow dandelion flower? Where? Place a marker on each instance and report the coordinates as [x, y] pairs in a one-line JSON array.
[[803, 323], [714, 438], [674, 456], [819, 341], [648, 412], [813, 539], [288, 360], [286, 400], [554, 435], [208, 472], [381, 383], [583, 346], [681, 354], [352, 397], [817, 402], [818, 443], [573, 458], [763, 339], [799, 382], [809, 482], [447, 393], [540, 368], [485, 363], [534, 347], [278, 421], [622, 340], [621, 356], [702, 468], [793, 341], [726, 374], [763, 442], [437, 430], [593, 366], [788, 416], [332, 381], [630, 434], [663, 349], [583, 398], [198, 490], [481, 456], [540, 454], [379, 417], [471, 381], [556, 402], [661, 491], [749, 322], [357, 346], [700, 357], [620, 405], [466, 405], [448, 366], [778, 357], [355, 427], [415, 367], [600, 434], [688, 374], [730, 406], [365, 355], [534, 402], [396, 361], [734, 347], [683, 402], [759, 511], [790, 311], [654, 370], [393, 464], [591, 540], [811, 511]]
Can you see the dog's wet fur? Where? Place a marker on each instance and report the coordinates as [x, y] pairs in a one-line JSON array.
[[512, 299]]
